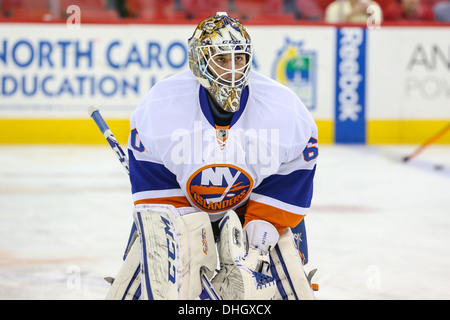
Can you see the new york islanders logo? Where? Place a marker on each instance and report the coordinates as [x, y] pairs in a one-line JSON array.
[[219, 187]]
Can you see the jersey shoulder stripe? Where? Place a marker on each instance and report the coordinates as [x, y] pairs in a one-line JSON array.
[[295, 188], [148, 175]]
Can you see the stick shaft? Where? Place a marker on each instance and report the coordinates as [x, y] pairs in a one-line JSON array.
[[109, 136], [428, 143]]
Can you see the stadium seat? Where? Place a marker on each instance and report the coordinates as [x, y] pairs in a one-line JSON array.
[[268, 10], [249, 6], [26, 9], [309, 10], [323, 4], [264, 18], [152, 9], [200, 9]]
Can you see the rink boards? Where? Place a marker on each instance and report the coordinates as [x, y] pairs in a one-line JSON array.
[[368, 86]]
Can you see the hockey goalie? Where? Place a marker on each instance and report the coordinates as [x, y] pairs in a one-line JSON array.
[[222, 161]]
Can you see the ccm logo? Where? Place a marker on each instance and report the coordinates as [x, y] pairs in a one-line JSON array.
[[171, 253]]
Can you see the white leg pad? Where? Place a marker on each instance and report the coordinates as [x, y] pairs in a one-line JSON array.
[[287, 268], [127, 281], [174, 248]]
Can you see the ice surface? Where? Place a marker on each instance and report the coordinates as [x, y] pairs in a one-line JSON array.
[[378, 228]]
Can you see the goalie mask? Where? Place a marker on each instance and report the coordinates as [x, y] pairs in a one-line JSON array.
[[220, 56]]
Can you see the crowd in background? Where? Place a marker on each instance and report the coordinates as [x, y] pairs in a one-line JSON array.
[[258, 11]]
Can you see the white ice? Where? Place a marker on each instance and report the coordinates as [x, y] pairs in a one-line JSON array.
[[378, 228]]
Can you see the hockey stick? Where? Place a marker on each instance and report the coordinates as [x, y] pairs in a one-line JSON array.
[[208, 292], [109, 136], [429, 142]]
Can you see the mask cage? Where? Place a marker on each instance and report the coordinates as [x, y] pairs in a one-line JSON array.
[[239, 77]]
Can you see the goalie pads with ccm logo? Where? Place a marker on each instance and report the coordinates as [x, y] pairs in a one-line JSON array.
[[174, 249], [286, 267]]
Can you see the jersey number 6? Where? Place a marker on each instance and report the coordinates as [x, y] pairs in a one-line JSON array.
[[311, 151]]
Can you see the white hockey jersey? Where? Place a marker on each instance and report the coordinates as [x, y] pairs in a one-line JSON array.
[[265, 159]]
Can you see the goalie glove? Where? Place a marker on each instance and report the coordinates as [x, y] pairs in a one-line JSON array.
[[243, 260], [261, 236]]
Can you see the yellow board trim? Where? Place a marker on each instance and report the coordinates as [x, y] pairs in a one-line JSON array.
[[59, 131], [326, 131], [85, 131], [406, 131]]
